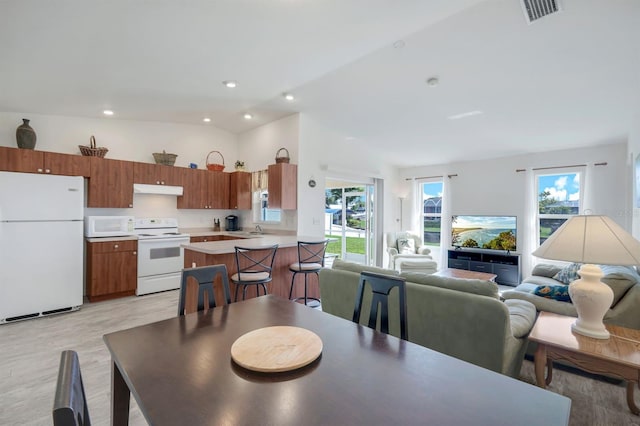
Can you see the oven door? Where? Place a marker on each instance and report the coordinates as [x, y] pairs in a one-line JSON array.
[[160, 256]]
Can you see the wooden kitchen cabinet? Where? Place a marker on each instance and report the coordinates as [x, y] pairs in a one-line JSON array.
[[204, 189], [157, 174], [112, 269], [283, 186], [32, 161], [111, 183], [240, 191]]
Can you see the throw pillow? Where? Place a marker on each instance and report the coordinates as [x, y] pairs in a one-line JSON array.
[[555, 292], [406, 246], [568, 274], [620, 279]]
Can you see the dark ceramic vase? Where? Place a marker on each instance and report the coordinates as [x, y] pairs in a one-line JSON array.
[[25, 135]]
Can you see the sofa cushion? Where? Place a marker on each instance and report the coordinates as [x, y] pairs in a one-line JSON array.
[[620, 279], [481, 287], [357, 268], [545, 270], [522, 315], [568, 274], [536, 281], [555, 292], [406, 246]]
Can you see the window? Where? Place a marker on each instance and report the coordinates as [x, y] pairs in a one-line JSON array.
[[431, 212], [260, 199], [559, 198]]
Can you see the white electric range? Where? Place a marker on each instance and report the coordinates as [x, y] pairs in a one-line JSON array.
[[160, 255]]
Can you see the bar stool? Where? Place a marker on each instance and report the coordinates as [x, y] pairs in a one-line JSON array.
[[254, 266], [310, 261], [381, 286]]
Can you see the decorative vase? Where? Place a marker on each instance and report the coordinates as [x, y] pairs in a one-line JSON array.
[[25, 135]]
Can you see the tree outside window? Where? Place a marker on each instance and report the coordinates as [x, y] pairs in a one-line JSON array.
[[559, 198]]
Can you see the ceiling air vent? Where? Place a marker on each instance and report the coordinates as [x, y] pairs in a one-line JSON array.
[[536, 9]]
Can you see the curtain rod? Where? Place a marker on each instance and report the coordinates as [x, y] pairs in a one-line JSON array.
[[604, 163], [430, 177]]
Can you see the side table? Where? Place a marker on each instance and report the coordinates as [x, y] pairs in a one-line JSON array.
[[617, 356]]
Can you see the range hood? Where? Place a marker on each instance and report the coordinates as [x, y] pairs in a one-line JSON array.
[[140, 188]]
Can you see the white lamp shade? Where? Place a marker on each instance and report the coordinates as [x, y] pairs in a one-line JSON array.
[[591, 239]]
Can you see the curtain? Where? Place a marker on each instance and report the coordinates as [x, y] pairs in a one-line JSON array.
[[259, 180], [445, 222], [529, 230], [587, 190]]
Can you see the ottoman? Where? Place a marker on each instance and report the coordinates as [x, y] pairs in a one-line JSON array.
[[427, 266]]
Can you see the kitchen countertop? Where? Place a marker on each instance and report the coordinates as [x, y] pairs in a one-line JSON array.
[[248, 241]]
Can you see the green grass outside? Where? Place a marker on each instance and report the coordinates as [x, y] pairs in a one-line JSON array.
[[354, 245]]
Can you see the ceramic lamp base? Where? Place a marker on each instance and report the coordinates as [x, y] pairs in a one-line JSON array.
[[592, 299]]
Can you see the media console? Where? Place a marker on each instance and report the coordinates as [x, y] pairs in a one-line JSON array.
[[505, 266]]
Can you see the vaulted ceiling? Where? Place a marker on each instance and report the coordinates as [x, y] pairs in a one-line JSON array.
[[359, 67]]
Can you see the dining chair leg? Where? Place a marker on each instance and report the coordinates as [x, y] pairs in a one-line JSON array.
[[244, 292], [264, 287], [237, 287]]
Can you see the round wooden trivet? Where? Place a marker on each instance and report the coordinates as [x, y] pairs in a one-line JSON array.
[[276, 349]]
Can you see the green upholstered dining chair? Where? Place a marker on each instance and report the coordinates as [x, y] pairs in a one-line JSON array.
[[254, 266], [381, 286], [205, 276]]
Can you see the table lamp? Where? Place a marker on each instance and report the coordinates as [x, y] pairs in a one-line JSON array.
[[591, 240]]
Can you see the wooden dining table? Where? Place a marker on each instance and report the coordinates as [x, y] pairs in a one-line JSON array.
[[180, 372]]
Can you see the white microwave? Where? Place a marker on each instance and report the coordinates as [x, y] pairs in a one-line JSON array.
[[108, 226]]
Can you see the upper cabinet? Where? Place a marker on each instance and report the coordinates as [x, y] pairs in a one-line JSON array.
[[31, 161], [157, 174], [240, 191], [204, 189], [283, 186], [111, 183]]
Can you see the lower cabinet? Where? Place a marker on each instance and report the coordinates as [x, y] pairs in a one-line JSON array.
[[112, 269]]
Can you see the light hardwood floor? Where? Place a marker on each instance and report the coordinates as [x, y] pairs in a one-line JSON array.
[[30, 353]]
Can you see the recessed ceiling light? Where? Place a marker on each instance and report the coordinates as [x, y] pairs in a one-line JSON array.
[[288, 96], [433, 81], [248, 116], [206, 119], [230, 83], [107, 112], [464, 115]]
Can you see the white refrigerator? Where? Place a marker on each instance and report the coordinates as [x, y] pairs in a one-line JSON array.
[[41, 244]]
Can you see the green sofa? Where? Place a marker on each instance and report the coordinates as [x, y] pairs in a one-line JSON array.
[[461, 318], [624, 281]]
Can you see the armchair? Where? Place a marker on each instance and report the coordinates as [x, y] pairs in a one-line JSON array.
[[405, 245]]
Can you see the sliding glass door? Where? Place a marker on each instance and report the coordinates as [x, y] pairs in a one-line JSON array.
[[349, 222]]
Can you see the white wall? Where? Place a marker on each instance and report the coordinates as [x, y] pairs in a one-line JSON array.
[[326, 154], [132, 141], [493, 187], [258, 148]]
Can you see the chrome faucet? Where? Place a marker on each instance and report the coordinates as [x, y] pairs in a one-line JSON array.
[[259, 228]]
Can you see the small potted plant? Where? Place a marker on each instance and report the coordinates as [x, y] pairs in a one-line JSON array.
[[239, 165]]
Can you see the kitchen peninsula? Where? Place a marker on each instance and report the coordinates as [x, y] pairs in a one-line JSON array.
[[223, 252]]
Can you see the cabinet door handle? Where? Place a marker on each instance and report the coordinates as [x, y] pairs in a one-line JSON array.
[[39, 170], [115, 246], [157, 182], [47, 170], [130, 205], [161, 182], [135, 252]]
